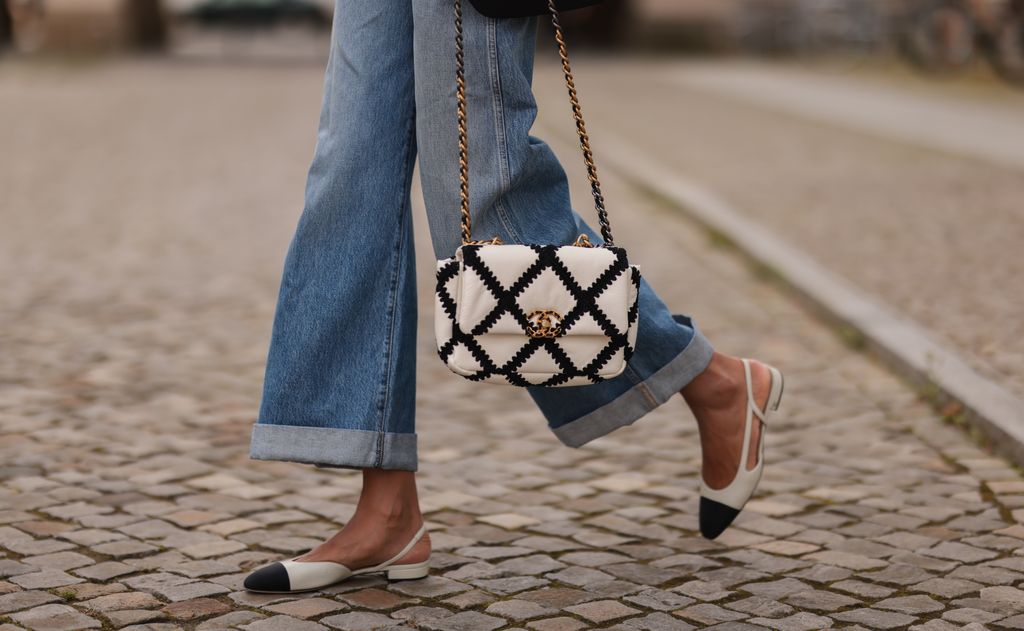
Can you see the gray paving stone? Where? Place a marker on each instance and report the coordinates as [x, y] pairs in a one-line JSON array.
[[122, 600], [45, 579], [934, 625], [430, 587], [418, 615], [898, 574], [105, 571], [777, 589], [658, 599], [862, 589], [533, 564], [55, 618], [24, 600], [731, 576], [306, 608], [600, 611], [820, 573], [229, 620], [960, 552], [59, 561], [287, 623], [519, 609], [510, 585], [10, 567], [1013, 622], [708, 614], [134, 617], [946, 587], [968, 615], [820, 600], [910, 604], [655, 622], [702, 590], [1002, 609], [579, 576], [559, 623], [875, 618], [758, 606], [467, 621], [800, 621], [1004, 594]]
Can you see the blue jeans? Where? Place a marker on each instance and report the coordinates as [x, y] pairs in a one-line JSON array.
[[340, 380]]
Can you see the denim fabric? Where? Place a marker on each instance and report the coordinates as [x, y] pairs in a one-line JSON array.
[[340, 379]]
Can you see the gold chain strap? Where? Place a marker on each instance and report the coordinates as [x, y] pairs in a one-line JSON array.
[[577, 112]]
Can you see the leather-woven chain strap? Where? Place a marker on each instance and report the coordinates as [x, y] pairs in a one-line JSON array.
[[577, 112]]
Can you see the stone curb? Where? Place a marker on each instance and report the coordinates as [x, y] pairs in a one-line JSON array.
[[899, 341]]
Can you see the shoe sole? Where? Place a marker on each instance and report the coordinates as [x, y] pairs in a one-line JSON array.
[[395, 573]]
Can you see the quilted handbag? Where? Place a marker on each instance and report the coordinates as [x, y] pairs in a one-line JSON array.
[[535, 315]]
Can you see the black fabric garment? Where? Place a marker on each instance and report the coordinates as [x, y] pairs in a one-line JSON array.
[[524, 8]]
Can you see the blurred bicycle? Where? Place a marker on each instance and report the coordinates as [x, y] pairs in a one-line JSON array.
[[947, 36]]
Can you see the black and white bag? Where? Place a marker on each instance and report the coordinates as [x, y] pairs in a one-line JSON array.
[[535, 315]]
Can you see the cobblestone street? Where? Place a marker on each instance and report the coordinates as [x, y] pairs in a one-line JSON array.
[[146, 209]]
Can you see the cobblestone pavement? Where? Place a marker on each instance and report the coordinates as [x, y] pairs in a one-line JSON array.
[[146, 208], [934, 234]]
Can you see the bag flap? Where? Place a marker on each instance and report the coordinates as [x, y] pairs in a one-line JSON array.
[[566, 290]]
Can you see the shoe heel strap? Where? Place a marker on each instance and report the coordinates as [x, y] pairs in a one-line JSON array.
[[408, 546]]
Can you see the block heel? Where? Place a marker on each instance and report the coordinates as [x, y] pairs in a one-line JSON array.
[[409, 571]]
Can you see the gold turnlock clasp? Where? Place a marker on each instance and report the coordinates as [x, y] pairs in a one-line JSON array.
[[583, 241], [544, 323]]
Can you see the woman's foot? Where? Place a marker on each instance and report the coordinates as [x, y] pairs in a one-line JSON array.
[[386, 517], [386, 533], [718, 399], [731, 415]]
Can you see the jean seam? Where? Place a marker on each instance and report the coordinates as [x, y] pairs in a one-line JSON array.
[[638, 383], [501, 134], [389, 342]]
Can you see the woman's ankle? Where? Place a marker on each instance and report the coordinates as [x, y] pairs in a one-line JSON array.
[[717, 386], [389, 499]]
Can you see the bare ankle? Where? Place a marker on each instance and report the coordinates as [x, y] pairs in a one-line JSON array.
[[389, 498], [717, 386]]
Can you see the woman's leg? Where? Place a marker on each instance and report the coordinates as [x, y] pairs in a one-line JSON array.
[[519, 191], [340, 379], [339, 388]]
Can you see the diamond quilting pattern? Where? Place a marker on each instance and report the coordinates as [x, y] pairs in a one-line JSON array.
[[487, 294]]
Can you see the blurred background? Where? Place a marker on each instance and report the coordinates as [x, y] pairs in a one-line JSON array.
[[937, 36]]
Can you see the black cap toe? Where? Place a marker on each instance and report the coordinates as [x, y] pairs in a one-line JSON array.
[[715, 517], [272, 578]]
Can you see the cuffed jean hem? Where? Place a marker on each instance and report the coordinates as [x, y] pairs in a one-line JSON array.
[[331, 447], [641, 398]]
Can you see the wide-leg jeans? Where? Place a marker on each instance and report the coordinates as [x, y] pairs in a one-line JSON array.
[[340, 377]]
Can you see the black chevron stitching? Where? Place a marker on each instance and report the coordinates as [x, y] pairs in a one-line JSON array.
[[561, 357], [604, 356], [586, 299], [511, 369], [506, 299]]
